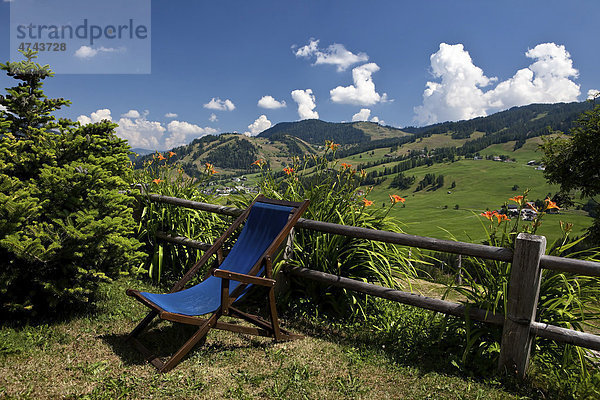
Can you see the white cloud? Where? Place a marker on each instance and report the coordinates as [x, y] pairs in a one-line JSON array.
[[362, 115], [378, 121], [592, 94], [170, 115], [131, 114], [270, 103], [307, 51], [306, 103], [84, 120], [213, 118], [182, 132], [258, 126], [2, 108], [221, 105], [96, 116], [86, 52], [140, 132], [335, 54], [363, 92], [547, 80], [459, 95]]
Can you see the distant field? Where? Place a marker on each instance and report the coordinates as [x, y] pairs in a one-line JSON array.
[[480, 185]]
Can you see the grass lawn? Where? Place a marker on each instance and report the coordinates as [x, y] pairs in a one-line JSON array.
[[85, 357]]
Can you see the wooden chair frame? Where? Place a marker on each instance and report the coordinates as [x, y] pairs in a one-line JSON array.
[[261, 327]]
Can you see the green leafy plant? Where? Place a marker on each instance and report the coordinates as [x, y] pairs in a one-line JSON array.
[[161, 175], [566, 300], [335, 197], [65, 213]]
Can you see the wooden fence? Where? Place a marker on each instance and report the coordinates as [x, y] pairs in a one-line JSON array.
[[528, 259]]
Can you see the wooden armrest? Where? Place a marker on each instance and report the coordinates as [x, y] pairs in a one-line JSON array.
[[254, 280]]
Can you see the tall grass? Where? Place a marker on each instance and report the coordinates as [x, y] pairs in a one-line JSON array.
[[160, 175], [566, 300], [333, 191]]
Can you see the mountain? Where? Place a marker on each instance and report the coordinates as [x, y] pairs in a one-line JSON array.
[[234, 153], [142, 152], [316, 132], [531, 116]]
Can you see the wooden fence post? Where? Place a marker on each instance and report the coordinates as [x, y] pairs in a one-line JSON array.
[[459, 275], [523, 293]]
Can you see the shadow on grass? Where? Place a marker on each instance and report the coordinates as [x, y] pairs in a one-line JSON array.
[[166, 338]]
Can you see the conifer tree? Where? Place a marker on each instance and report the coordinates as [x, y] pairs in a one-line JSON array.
[[65, 218]]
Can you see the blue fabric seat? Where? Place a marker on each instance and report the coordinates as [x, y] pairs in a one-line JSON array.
[[263, 225]]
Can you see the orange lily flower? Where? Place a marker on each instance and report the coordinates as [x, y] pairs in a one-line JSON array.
[[209, 169], [517, 199], [160, 157], [394, 198], [501, 217], [345, 166], [157, 181], [488, 214], [331, 145], [288, 170], [367, 202], [171, 154], [550, 204]]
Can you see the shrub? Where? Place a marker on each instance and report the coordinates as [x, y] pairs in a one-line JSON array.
[[65, 215]]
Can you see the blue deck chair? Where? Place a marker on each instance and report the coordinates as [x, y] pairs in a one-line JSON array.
[[268, 222]]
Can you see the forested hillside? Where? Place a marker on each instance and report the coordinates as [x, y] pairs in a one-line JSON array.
[[315, 131], [234, 153]]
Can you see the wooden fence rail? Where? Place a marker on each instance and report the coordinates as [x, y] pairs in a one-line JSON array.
[[528, 259], [580, 267]]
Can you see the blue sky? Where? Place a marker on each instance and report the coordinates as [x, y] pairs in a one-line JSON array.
[[397, 62]]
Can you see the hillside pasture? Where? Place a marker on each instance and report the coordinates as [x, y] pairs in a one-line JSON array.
[[480, 185]]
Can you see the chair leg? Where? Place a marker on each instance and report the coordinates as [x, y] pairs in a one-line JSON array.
[[273, 313], [142, 325], [196, 337]]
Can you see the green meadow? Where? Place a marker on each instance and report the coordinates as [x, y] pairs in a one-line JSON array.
[[480, 185]]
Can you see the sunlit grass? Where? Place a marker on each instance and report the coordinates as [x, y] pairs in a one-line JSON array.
[[85, 357], [480, 185]]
